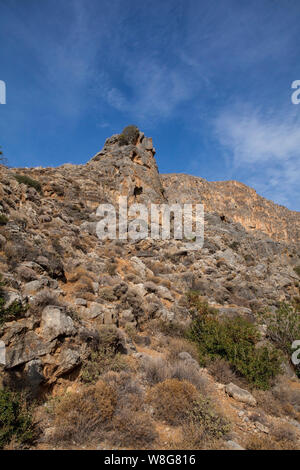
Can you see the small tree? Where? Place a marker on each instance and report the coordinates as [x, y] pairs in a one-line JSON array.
[[3, 160]]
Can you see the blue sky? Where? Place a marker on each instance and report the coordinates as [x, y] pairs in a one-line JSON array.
[[209, 80]]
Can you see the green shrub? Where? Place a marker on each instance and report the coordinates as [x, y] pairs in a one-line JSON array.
[[129, 135], [15, 419], [101, 362], [204, 415], [297, 270], [28, 181], [198, 304], [3, 219], [13, 312], [106, 358], [235, 341], [283, 327]]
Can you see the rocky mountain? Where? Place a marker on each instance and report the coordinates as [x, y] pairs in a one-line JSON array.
[[238, 202], [105, 320]]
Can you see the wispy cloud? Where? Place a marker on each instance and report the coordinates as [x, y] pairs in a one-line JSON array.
[[265, 149]]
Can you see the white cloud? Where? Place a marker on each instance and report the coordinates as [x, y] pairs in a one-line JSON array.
[[264, 149], [255, 138]]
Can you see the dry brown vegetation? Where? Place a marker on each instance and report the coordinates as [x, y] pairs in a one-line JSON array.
[[78, 416]]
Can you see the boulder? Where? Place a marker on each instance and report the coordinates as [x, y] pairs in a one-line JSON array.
[[240, 394], [68, 360], [56, 323], [27, 348]]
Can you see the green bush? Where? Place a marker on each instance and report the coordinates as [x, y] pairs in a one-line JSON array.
[[297, 270], [14, 311], [15, 419], [106, 357], [3, 219], [283, 327], [129, 135], [28, 181], [235, 341]]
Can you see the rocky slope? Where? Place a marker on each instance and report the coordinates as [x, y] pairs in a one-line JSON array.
[[64, 290], [238, 202]]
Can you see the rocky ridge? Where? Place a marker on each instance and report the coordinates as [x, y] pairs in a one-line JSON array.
[[69, 285]]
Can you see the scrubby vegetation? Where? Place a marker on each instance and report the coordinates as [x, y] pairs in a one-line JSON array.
[[24, 179], [297, 270], [78, 416], [14, 311], [178, 402], [106, 357], [129, 135], [283, 328], [15, 420], [3, 219], [235, 341]]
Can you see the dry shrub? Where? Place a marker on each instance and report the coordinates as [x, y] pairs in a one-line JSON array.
[[285, 394], [158, 267], [83, 286], [172, 400], [83, 280], [126, 387], [111, 267], [284, 433], [156, 369], [195, 437], [78, 416], [271, 405], [183, 370], [133, 429], [177, 345], [221, 371], [179, 403], [263, 442], [46, 297]]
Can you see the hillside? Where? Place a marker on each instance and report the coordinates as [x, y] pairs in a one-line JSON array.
[[99, 332]]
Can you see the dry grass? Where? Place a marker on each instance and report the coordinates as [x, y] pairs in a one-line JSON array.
[[78, 416], [221, 371], [284, 433], [271, 405], [263, 442], [172, 400], [175, 346], [133, 429], [46, 297]]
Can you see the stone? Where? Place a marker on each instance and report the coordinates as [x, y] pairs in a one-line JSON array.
[[33, 286], [261, 427], [11, 297], [68, 360], [164, 293], [56, 323], [81, 302], [142, 340], [25, 349], [240, 394], [95, 310], [34, 371], [234, 445]]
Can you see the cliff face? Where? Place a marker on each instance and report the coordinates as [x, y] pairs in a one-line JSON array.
[[238, 202], [65, 293]]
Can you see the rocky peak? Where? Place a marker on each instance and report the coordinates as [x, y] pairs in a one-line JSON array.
[[129, 169]]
